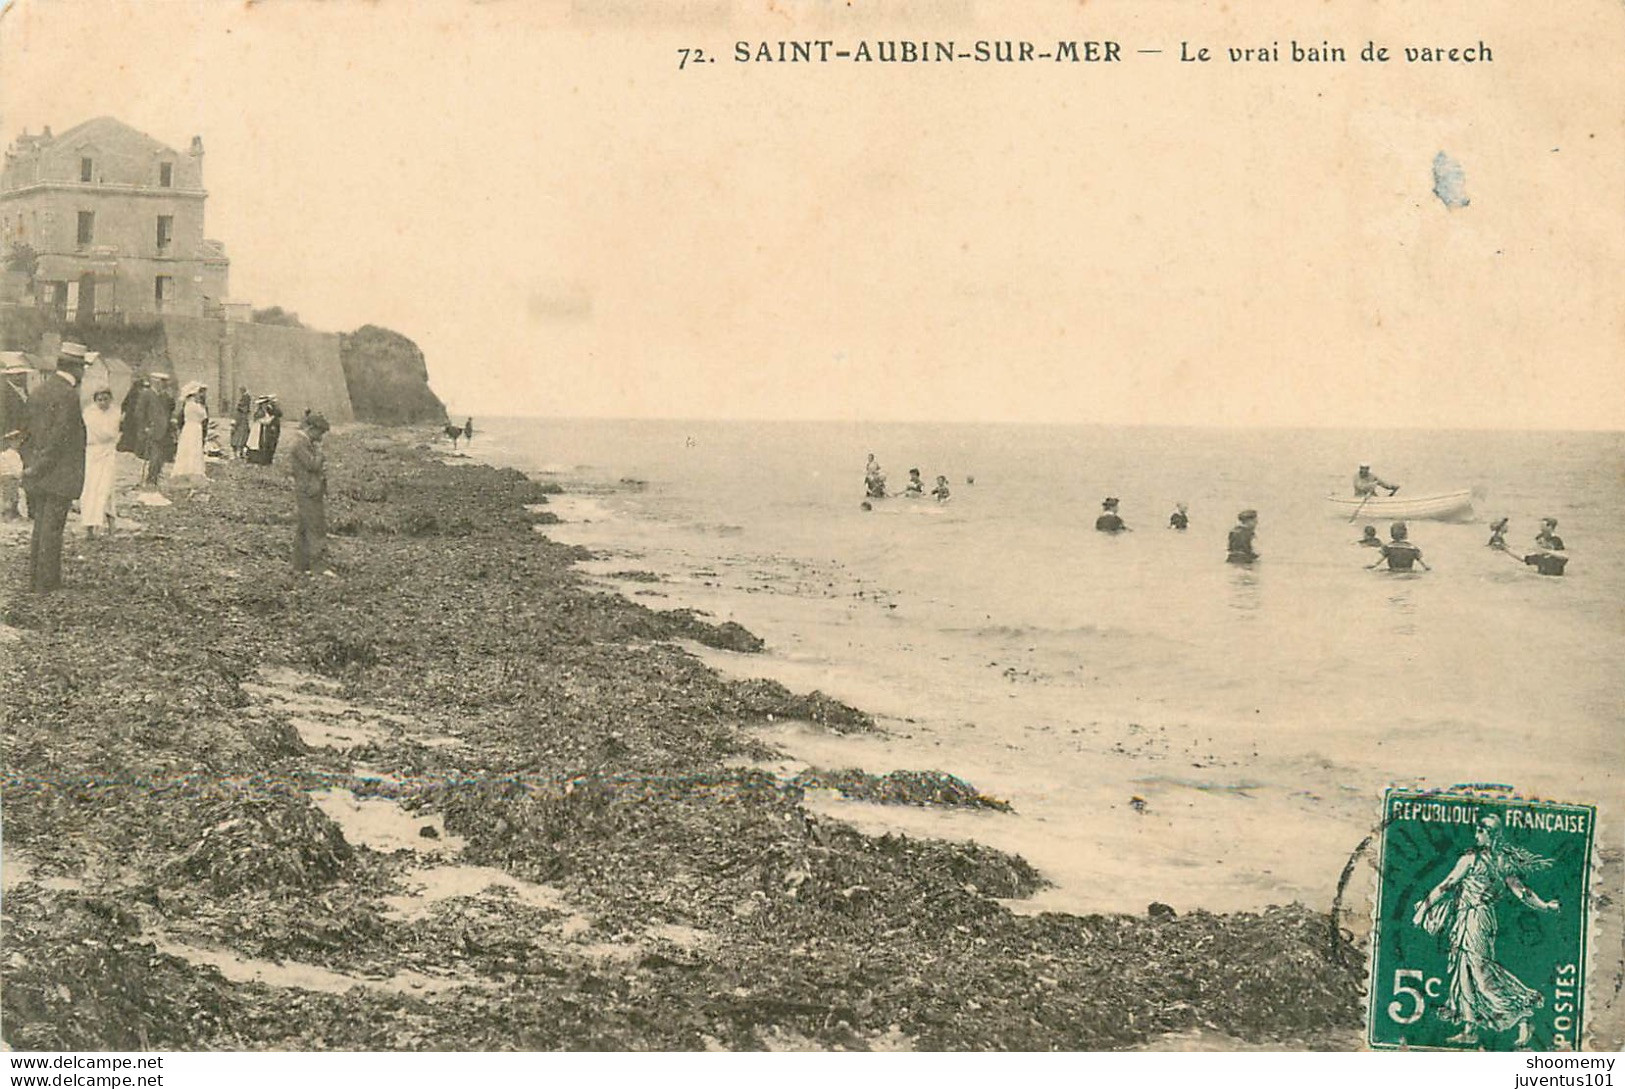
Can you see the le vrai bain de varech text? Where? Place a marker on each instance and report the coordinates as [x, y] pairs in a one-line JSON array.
[[1275, 51]]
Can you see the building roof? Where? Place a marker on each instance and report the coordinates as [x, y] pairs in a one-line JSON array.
[[121, 156], [111, 134]]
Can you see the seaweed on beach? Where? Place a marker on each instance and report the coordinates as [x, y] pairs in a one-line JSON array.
[[79, 977], [686, 624], [562, 737], [900, 788], [275, 841], [766, 699]]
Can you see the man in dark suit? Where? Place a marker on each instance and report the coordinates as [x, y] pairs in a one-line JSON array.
[[54, 463], [157, 410]]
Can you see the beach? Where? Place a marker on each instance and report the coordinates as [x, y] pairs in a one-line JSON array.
[[463, 796], [1258, 712]]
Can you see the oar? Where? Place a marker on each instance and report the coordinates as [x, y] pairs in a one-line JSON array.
[[1366, 500]]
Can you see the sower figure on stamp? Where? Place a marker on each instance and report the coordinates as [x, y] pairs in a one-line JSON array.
[[53, 453], [309, 466], [1483, 992]]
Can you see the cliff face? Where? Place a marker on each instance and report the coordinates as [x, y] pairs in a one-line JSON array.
[[388, 380]]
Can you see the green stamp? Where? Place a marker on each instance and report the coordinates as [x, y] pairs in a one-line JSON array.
[[1480, 937]]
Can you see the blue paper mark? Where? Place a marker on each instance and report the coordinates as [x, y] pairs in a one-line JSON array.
[[1449, 181]]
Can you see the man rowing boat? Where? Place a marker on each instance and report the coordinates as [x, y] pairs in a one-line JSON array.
[[1366, 483]]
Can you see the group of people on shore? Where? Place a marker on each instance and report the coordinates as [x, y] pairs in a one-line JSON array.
[[157, 426], [465, 432], [56, 453], [874, 484], [256, 427]]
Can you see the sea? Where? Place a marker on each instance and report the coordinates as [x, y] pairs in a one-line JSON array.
[[1168, 727]]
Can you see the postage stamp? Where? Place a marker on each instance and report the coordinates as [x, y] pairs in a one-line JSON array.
[[1481, 926]]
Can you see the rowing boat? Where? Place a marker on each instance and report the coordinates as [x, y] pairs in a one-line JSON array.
[[1444, 507]]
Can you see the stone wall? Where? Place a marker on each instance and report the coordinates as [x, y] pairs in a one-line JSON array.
[[300, 366]]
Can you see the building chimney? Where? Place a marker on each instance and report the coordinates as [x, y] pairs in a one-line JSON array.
[[197, 146]]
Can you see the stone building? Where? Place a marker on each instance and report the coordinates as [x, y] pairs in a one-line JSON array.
[[116, 219]]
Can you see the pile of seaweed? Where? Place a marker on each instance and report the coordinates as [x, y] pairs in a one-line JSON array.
[[157, 802], [901, 788]]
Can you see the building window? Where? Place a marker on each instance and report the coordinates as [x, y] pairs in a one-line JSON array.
[[166, 231], [87, 228], [56, 296], [163, 290], [166, 174], [86, 168]]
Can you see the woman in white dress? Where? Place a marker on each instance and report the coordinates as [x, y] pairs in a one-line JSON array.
[[96, 508], [194, 425]]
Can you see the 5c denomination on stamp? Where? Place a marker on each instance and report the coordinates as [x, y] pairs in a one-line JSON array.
[[1481, 926]]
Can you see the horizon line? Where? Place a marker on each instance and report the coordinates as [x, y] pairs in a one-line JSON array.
[[1580, 430]]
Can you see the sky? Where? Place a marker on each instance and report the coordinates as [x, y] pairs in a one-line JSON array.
[[569, 224]]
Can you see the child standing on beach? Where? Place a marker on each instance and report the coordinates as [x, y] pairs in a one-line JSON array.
[[309, 467]]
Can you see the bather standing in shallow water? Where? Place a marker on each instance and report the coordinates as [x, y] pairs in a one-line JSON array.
[[1399, 553], [874, 479], [1241, 538], [1110, 521], [1548, 538]]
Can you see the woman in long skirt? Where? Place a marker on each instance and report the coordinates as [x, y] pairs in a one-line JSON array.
[[194, 424], [265, 431], [241, 418], [96, 508]]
